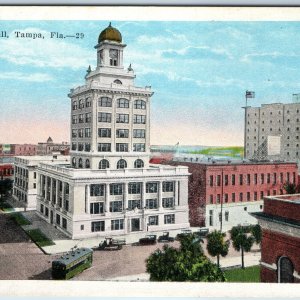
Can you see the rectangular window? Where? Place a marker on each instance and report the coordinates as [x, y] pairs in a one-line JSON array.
[[151, 204], [255, 178], [168, 202], [122, 118], [58, 219], [274, 178], [42, 208], [98, 226], [153, 220], [81, 118], [139, 119], [132, 204], [134, 188], [88, 117], [248, 179], [104, 117], [80, 133], [139, 133], [104, 132], [116, 189], [288, 177], [262, 178], [218, 198], [255, 196], [64, 223], [241, 197], [211, 180], [281, 177], [74, 119], [96, 208], [168, 186], [294, 177], [211, 214], [34, 185], [87, 147], [233, 179], [261, 195], [74, 133], [233, 197], [218, 180], [169, 219], [97, 190], [74, 146], [46, 211], [117, 224], [139, 104], [226, 198], [268, 178], [151, 187], [226, 216], [80, 146], [241, 179], [87, 132], [248, 196], [122, 133], [122, 147], [139, 147], [211, 199], [226, 179], [104, 147], [115, 206], [274, 192]]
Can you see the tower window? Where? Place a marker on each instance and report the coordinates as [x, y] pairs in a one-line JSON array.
[[140, 104], [123, 103], [113, 57], [117, 81]]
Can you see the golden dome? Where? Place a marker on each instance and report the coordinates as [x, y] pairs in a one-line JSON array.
[[110, 33]]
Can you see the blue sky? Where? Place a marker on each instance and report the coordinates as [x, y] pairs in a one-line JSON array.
[[199, 72]]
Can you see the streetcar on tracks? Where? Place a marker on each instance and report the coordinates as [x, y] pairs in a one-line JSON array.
[[72, 263]]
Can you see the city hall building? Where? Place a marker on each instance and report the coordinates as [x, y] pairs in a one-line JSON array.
[[110, 188]]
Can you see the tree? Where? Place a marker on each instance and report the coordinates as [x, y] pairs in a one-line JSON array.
[[5, 186], [216, 245], [256, 233], [290, 188], [242, 240], [188, 263]]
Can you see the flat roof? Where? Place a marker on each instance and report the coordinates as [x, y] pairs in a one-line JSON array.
[[276, 219]]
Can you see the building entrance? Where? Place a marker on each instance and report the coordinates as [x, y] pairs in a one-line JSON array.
[[135, 224]]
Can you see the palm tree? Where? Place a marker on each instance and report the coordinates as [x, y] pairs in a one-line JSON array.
[[242, 240], [216, 245]]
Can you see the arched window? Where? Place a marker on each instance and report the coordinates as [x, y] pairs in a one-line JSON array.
[[80, 163], [140, 104], [74, 105], [74, 162], [103, 164], [88, 102], [139, 163], [87, 163], [104, 102], [122, 164], [123, 103], [117, 81], [285, 270], [81, 105]]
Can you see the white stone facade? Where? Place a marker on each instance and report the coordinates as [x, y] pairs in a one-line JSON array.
[[25, 177], [233, 214], [110, 188]]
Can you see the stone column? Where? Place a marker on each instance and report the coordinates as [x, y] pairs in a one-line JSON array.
[[125, 197], [46, 187], [57, 192], [160, 196], [87, 198], [107, 199], [51, 186], [176, 193], [143, 202], [63, 194]]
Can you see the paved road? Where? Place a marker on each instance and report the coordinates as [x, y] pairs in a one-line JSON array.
[[19, 257]]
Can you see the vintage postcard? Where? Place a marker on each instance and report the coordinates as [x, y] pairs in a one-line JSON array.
[[149, 151]]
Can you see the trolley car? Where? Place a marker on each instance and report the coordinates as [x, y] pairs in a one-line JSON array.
[[72, 263]]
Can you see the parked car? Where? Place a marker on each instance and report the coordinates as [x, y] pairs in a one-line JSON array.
[[111, 244], [202, 232], [165, 237], [184, 232], [149, 239]]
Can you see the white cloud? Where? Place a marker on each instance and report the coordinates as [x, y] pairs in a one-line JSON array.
[[47, 52], [33, 77]]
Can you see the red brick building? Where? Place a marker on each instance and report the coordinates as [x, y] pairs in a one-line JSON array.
[[280, 247], [6, 171], [230, 190]]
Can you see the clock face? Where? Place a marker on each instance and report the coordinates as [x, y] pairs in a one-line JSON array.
[[113, 53]]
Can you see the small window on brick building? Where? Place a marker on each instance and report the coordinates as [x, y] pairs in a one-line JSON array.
[[255, 196], [261, 195], [211, 180], [248, 196], [241, 179], [211, 199], [226, 179], [218, 198], [274, 192], [226, 198], [241, 197], [269, 193], [218, 180], [233, 197], [233, 179]]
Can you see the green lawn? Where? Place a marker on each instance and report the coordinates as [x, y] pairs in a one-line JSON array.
[[39, 238], [250, 274], [19, 219]]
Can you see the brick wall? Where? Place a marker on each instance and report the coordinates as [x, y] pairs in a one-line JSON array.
[[273, 246]]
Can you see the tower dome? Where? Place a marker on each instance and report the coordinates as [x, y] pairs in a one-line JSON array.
[[110, 33]]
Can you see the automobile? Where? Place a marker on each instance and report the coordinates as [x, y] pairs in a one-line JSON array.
[[149, 239], [202, 232], [183, 232], [165, 237], [111, 244]]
